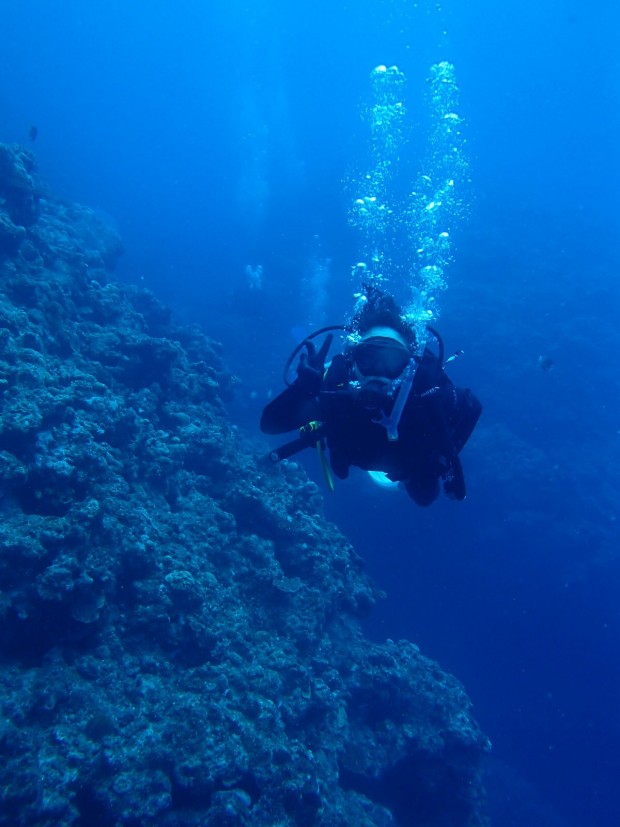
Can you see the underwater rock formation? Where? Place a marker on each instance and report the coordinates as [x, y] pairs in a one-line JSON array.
[[179, 636]]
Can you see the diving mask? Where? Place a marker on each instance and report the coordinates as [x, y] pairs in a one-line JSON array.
[[382, 353]]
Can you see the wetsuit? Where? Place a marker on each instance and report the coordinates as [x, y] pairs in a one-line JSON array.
[[436, 422]]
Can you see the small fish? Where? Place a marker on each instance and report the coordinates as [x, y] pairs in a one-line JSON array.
[[545, 363], [32, 133]]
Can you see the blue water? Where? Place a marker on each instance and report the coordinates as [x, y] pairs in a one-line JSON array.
[[218, 136]]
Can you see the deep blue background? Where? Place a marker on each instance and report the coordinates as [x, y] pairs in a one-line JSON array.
[[218, 135]]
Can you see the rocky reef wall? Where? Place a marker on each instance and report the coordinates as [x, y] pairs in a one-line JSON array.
[[179, 625]]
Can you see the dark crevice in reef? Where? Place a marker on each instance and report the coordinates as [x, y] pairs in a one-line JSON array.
[[414, 791]]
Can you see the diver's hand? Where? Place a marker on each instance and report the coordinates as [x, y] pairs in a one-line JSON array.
[[311, 366]]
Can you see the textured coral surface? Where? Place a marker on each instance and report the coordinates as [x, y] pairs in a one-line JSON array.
[[179, 638]]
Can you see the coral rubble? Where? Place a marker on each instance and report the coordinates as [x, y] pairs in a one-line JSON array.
[[180, 640]]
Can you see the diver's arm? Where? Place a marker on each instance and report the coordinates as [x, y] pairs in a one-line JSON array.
[[291, 409], [453, 414], [299, 403], [463, 412]]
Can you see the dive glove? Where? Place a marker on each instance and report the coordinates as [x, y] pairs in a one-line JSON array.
[[311, 366]]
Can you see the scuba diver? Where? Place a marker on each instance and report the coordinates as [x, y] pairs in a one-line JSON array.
[[378, 405]]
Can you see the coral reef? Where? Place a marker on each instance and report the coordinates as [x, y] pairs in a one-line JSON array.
[[180, 639], [20, 191]]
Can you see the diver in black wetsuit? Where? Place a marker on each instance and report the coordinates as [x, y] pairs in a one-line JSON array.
[[380, 407]]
